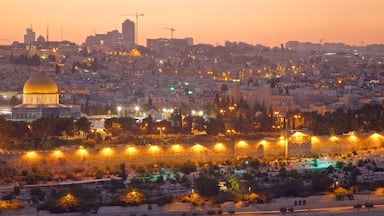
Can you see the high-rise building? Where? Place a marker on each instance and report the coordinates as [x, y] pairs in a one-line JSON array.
[[29, 36], [128, 29]]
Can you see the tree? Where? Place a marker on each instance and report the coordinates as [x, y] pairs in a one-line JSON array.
[[133, 198], [13, 101], [6, 130], [340, 193], [357, 206], [207, 185], [57, 69], [320, 181], [188, 167], [149, 124], [215, 126], [43, 128], [234, 183], [369, 205], [76, 199], [83, 125], [123, 172], [224, 88]]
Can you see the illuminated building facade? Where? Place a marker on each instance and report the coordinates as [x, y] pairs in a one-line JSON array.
[[40, 100]]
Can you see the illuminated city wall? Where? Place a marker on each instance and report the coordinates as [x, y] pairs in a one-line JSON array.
[[293, 146], [346, 143]]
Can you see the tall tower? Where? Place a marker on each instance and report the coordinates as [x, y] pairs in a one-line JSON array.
[[128, 29], [29, 37]]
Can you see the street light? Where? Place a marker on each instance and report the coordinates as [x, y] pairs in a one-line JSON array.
[[161, 130], [295, 117], [137, 108], [119, 108], [167, 113]]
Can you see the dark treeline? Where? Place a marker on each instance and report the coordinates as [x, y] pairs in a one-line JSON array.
[[14, 134], [25, 60], [369, 117]]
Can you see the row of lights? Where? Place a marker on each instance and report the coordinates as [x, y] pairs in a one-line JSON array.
[[131, 150], [197, 148]]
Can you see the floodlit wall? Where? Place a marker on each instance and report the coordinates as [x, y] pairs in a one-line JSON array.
[[288, 145]]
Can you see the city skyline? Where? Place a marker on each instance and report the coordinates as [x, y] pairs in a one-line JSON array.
[[256, 22]]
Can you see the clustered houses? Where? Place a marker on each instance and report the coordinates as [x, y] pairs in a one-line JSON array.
[[176, 75]]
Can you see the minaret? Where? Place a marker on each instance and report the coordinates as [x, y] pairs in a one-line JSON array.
[[47, 32]]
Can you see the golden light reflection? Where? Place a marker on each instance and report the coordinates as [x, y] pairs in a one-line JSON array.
[[298, 134], [176, 148], [131, 150], [154, 149], [31, 155], [219, 147], [263, 142], [198, 148], [133, 198], [334, 138], [353, 138], [134, 53], [315, 139], [107, 151], [58, 154], [242, 144], [82, 152], [376, 136], [68, 201]]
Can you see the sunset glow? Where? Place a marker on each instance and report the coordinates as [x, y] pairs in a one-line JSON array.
[[252, 21]]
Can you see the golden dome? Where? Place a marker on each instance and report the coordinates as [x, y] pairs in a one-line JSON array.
[[40, 84]]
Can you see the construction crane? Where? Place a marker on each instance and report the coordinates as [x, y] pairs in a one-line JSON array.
[[137, 24], [172, 30]]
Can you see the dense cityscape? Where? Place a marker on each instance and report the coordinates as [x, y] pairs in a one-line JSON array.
[[111, 127]]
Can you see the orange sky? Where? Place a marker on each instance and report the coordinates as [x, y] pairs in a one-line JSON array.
[[268, 22]]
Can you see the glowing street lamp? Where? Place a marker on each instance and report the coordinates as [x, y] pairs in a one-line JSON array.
[[161, 130], [119, 108], [295, 117], [167, 113], [197, 113], [137, 108]]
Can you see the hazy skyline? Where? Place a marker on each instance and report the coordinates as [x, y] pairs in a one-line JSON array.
[[267, 22]]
